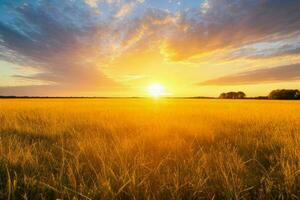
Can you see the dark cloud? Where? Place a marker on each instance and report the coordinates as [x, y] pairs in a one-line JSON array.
[[294, 51], [290, 47], [271, 54], [269, 75]]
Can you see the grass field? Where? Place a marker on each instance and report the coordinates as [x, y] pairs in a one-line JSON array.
[[149, 149]]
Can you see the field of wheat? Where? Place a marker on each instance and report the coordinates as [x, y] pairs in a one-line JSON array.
[[149, 149]]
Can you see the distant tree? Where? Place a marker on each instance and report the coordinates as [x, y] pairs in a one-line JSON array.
[[284, 94], [241, 95], [233, 95], [222, 96]]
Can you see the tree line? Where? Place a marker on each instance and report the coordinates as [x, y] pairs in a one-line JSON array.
[[275, 94], [233, 95]]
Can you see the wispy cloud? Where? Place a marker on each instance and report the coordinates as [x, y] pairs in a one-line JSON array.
[[65, 51], [269, 75], [92, 3], [223, 24], [125, 9]]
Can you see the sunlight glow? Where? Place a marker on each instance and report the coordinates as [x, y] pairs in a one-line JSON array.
[[156, 90]]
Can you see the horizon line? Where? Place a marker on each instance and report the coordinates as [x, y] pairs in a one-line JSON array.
[[118, 97]]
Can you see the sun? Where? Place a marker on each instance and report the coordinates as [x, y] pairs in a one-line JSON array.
[[156, 90]]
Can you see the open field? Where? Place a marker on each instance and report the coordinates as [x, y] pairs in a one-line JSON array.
[[149, 149]]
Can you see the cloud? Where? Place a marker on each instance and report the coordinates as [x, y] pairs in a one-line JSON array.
[[269, 53], [220, 24], [92, 3], [64, 43], [266, 50], [151, 27], [215, 26], [125, 9], [37, 90], [269, 75]]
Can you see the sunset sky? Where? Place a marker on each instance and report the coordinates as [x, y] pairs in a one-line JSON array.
[[120, 47]]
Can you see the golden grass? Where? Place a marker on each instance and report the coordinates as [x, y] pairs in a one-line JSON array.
[[149, 149]]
